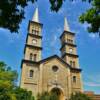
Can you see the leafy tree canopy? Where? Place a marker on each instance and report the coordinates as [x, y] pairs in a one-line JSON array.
[[48, 96], [8, 88], [92, 17], [79, 96], [12, 13]]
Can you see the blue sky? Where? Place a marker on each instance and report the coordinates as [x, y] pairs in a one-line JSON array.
[[12, 45]]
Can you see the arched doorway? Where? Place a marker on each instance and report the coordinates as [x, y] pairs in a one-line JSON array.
[[57, 92]]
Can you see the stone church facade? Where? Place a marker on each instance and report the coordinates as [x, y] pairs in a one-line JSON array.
[[53, 73]]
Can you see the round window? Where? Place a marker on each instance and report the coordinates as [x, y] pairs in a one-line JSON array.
[[55, 68], [34, 41], [70, 50]]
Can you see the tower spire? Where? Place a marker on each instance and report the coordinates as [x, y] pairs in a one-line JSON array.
[[66, 26], [36, 16]]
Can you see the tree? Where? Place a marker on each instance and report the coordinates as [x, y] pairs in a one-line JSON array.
[[8, 88], [22, 94], [12, 13], [48, 96], [7, 82], [79, 96], [92, 17]]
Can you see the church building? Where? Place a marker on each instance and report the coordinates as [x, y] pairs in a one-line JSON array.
[[61, 74]]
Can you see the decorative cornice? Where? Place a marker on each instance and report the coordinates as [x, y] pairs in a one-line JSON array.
[[69, 54], [30, 83], [34, 35], [76, 69], [54, 56], [31, 46], [64, 44], [28, 61], [66, 32], [32, 22]]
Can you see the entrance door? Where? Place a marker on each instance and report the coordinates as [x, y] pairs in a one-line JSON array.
[[58, 94]]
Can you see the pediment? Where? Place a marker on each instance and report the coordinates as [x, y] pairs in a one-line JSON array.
[[55, 59]]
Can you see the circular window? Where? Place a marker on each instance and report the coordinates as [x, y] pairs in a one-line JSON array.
[[34, 41], [70, 50], [55, 68]]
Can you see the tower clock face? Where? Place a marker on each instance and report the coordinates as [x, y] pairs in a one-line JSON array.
[[34, 41]]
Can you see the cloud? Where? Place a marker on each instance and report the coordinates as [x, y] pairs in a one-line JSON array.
[[93, 36], [92, 84], [54, 40], [92, 80], [85, 25]]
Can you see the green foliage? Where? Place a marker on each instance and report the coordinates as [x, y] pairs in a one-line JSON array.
[[44, 96], [92, 17], [8, 88], [48, 96], [22, 94], [79, 96], [12, 13], [7, 76]]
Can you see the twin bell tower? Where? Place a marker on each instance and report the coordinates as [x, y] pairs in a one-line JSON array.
[[53, 74]]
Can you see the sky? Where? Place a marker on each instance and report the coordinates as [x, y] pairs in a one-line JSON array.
[[88, 45]]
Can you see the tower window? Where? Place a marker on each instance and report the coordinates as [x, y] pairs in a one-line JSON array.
[[34, 41], [31, 56], [74, 79], [35, 32], [71, 63], [69, 41], [35, 57], [70, 50], [31, 73]]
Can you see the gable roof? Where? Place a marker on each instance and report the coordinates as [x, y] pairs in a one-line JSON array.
[[55, 56], [66, 64]]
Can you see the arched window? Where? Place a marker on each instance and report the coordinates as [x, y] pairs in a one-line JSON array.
[[74, 64], [74, 79], [32, 31], [37, 32], [35, 57], [31, 56], [71, 63], [31, 73]]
